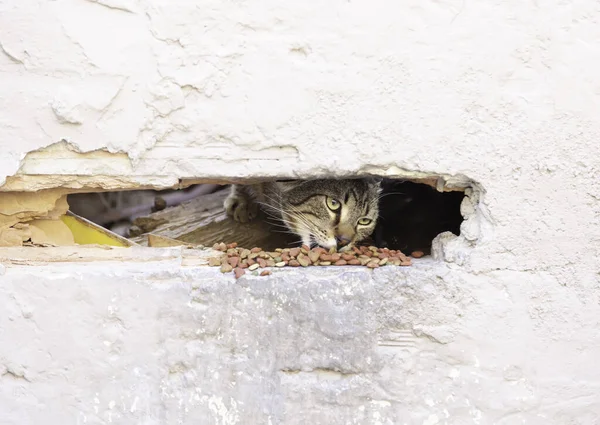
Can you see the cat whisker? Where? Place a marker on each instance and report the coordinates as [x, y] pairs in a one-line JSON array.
[[302, 219], [383, 195], [292, 213], [286, 232], [299, 223]]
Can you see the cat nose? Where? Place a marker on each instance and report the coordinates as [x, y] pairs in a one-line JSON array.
[[342, 240]]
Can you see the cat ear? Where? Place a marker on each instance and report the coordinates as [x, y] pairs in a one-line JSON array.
[[374, 180]]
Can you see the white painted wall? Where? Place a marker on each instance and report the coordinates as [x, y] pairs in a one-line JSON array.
[[505, 93]]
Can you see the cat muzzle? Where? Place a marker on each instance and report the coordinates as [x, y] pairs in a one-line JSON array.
[[343, 240]]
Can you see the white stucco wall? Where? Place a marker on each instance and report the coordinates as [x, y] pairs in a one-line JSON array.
[[504, 94]]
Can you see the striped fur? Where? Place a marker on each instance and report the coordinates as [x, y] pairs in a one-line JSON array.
[[302, 206]]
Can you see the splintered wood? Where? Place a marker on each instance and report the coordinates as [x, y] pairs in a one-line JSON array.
[[239, 260]]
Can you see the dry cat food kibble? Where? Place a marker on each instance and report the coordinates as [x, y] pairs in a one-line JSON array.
[[240, 259]]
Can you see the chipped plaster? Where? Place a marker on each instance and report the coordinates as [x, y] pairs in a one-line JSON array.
[[150, 93]]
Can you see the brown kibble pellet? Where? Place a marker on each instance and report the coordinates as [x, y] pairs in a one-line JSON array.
[[255, 249], [348, 257], [417, 254], [294, 263], [250, 261], [262, 262], [325, 257], [294, 252], [335, 257], [243, 265], [372, 265], [313, 256], [305, 249], [239, 272], [234, 261], [232, 245], [303, 260], [340, 263], [214, 261], [285, 257], [319, 250], [265, 273], [226, 268], [354, 262]]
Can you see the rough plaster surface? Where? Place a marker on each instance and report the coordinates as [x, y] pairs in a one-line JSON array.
[[505, 93], [501, 328], [169, 345]]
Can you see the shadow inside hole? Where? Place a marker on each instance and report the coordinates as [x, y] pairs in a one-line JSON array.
[[411, 215]]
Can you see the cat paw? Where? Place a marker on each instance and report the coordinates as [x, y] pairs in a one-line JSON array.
[[240, 208]]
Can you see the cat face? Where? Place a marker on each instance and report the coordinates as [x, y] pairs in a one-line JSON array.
[[330, 213]]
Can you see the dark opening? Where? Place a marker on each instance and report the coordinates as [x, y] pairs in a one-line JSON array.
[[411, 216]]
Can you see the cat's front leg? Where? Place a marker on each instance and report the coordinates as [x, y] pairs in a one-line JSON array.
[[241, 204]]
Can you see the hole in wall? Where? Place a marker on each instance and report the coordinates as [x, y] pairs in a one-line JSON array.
[[412, 214]]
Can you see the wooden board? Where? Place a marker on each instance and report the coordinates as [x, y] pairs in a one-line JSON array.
[[203, 221]]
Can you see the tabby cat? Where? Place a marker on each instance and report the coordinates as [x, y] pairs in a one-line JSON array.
[[328, 213]]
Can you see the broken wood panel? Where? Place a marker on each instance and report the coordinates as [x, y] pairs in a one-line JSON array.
[[203, 221]]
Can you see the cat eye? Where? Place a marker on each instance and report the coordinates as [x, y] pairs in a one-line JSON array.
[[333, 204], [364, 221]]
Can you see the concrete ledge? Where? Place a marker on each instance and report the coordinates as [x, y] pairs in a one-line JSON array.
[[159, 344]]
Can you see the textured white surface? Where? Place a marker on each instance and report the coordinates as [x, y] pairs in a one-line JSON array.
[[190, 89], [162, 343], [506, 93]]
